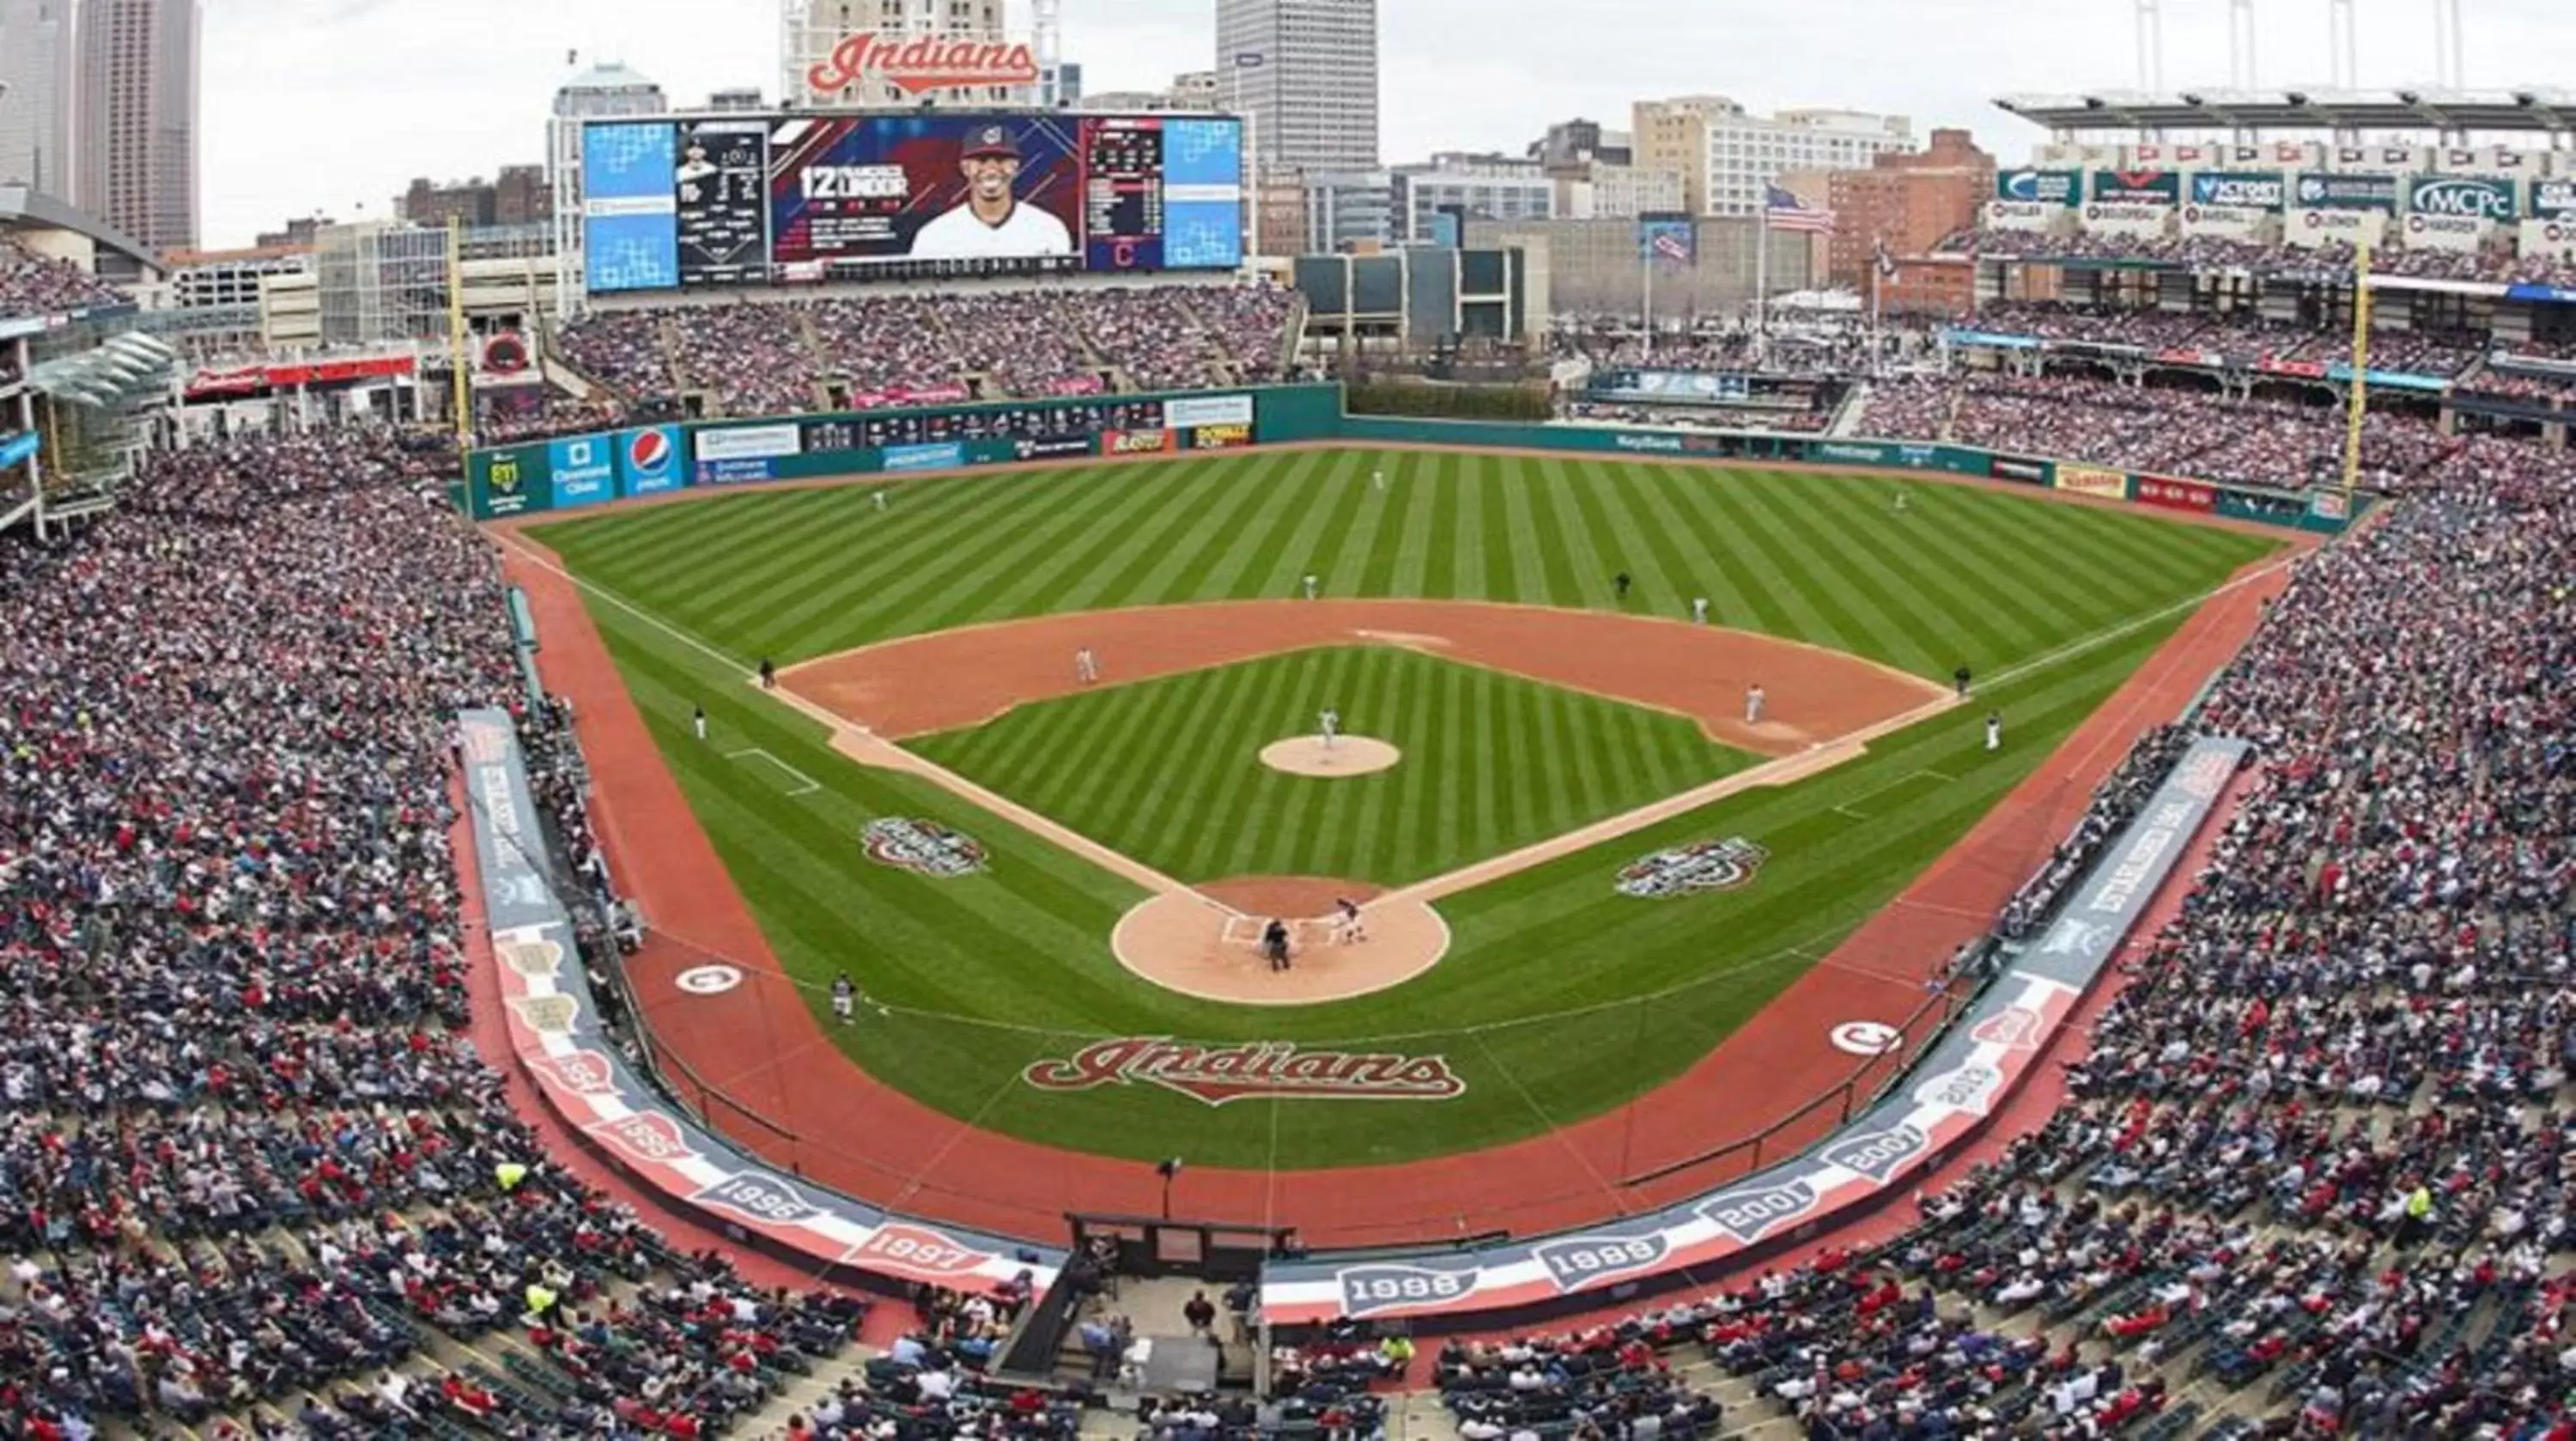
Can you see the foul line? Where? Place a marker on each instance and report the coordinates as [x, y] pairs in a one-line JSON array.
[[1909, 778], [810, 784]]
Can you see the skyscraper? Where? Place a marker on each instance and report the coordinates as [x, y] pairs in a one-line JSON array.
[[134, 118], [1304, 73], [36, 94]]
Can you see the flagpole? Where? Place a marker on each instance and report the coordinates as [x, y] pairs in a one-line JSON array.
[[1647, 260], [1762, 284]]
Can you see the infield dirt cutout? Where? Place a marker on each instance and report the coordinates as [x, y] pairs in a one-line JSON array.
[[1821, 708]]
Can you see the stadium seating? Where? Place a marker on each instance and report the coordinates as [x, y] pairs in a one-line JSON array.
[[32, 284], [778, 357]]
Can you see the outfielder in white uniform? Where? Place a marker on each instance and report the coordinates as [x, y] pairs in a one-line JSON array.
[[992, 224], [1331, 723], [1994, 731], [1312, 585], [1699, 610]]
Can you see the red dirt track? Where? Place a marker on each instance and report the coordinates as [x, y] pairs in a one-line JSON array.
[[844, 1129]]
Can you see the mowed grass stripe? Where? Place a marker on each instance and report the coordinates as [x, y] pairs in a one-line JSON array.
[[1846, 592], [1898, 573]]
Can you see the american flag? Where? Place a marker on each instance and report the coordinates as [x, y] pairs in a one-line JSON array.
[[1784, 211]]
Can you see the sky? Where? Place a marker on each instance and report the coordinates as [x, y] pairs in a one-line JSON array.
[[332, 106]]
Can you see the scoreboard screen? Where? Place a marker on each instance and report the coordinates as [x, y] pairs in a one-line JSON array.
[[813, 197]]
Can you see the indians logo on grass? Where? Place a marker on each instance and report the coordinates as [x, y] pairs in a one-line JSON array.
[[1255, 1070], [925, 847], [1693, 869]]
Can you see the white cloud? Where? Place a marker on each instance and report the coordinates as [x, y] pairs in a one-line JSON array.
[[333, 104]]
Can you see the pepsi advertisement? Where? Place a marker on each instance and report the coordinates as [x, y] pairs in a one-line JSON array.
[[649, 461]]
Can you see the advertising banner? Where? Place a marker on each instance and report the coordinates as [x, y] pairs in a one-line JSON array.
[[2013, 467], [2226, 222], [732, 454], [1198, 410], [1947, 1096], [2460, 234], [2063, 189], [2314, 229], [2136, 187], [1052, 448], [2464, 197], [2128, 220], [650, 460], [582, 470], [948, 455], [2092, 480], [1135, 442], [629, 219], [2022, 214], [2240, 189], [2549, 237], [557, 1039], [2176, 494], [19, 448], [2343, 190], [1220, 437], [2552, 199], [508, 481]]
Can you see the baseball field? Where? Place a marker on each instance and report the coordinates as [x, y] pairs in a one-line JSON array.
[[934, 805]]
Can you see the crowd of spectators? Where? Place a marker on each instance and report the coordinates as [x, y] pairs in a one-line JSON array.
[[2266, 441], [2238, 337], [785, 356], [2315, 1168], [33, 284], [251, 1156]]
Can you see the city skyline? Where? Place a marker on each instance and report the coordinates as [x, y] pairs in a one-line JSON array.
[[1454, 75]]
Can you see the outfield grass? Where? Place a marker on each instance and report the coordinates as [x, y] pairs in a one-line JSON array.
[[1168, 771], [1560, 998]]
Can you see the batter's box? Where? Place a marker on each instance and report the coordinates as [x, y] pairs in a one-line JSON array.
[[1245, 931]]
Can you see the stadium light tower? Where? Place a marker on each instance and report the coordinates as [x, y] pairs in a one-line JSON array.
[[2151, 45], [2341, 36], [2448, 43]]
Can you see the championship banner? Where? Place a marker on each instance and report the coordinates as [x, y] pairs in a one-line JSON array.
[[582, 1073], [2092, 480], [1944, 1099]]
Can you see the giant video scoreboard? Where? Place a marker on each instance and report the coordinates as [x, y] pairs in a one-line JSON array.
[[683, 202]]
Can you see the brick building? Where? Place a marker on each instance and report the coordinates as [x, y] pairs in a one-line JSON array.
[[1906, 201]]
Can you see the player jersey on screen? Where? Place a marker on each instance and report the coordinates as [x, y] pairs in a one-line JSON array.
[[962, 235]]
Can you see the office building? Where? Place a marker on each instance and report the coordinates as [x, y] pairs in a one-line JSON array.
[[1603, 191], [1303, 73], [134, 108], [1571, 146], [1347, 210], [1726, 156], [36, 88], [1467, 187]]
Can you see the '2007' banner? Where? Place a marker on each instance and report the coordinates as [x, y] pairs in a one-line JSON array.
[[2092, 480]]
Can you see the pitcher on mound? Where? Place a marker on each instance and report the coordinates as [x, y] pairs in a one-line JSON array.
[[1330, 722]]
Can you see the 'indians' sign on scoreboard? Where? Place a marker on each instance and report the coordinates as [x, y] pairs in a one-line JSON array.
[[692, 201]]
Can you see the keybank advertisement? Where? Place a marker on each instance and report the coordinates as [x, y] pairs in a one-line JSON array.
[[648, 460], [946, 456], [582, 470]]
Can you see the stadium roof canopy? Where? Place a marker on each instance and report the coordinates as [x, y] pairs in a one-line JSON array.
[[20, 205], [2531, 110]]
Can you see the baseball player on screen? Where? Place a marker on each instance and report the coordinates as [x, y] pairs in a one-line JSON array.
[[991, 223]]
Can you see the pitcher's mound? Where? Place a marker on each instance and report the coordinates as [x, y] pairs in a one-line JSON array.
[[1190, 944], [1346, 756]]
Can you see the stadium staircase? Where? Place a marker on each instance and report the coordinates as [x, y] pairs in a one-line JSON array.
[[557, 371], [1847, 420], [816, 374]]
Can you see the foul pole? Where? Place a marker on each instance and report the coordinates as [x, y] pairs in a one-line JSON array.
[[2360, 372], [460, 397]]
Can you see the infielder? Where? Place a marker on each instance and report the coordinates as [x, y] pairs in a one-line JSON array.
[[1753, 705], [1331, 723], [698, 720], [1086, 667], [1994, 731], [1699, 610], [1312, 585], [845, 997]]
